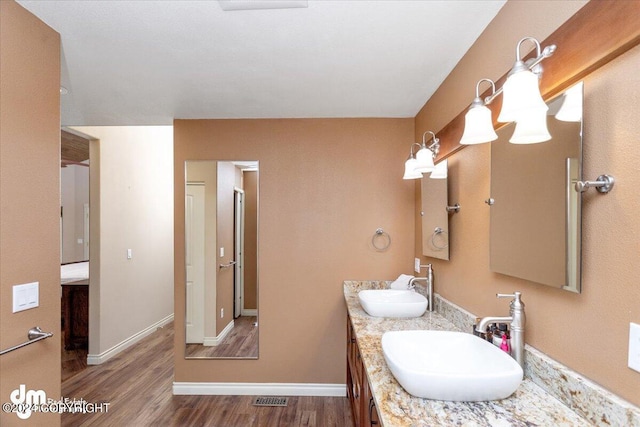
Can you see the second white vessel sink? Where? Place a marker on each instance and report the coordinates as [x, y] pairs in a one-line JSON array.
[[392, 303], [454, 366]]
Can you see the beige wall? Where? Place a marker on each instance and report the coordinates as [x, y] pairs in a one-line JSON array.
[[227, 176], [29, 203], [325, 186], [250, 187], [132, 208], [587, 332]]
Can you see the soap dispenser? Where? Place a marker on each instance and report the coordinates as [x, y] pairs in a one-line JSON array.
[[504, 346]]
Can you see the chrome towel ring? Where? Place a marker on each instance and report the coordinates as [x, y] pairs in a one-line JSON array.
[[436, 232], [381, 234]]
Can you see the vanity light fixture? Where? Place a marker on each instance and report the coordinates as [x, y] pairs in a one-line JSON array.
[[440, 172], [410, 171], [422, 161], [478, 126], [426, 154], [521, 102], [521, 90]]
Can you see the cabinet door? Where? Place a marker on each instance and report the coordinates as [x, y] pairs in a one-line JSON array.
[[354, 375], [370, 413]]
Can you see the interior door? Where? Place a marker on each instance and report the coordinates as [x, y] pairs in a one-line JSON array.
[[194, 241]]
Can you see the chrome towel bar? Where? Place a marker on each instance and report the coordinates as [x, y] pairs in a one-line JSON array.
[[35, 334]]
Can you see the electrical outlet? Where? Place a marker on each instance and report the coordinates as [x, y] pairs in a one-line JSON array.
[[222, 313], [634, 346], [416, 265]]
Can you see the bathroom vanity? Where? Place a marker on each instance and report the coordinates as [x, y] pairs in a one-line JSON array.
[[376, 396], [359, 393]]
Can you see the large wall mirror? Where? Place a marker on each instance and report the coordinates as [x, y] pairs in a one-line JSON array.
[[435, 219], [535, 210], [221, 257]]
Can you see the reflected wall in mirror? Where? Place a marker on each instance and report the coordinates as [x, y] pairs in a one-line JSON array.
[[221, 257], [536, 211], [435, 219]]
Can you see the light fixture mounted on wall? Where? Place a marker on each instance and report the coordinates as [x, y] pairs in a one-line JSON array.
[[522, 103], [422, 161], [478, 126]]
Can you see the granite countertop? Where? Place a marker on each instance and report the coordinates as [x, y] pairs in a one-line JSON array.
[[529, 406]]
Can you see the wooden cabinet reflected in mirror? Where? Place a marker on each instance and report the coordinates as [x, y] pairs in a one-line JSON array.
[[536, 211], [221, 237]]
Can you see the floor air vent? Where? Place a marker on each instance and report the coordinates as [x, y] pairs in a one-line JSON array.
[[270, 401]]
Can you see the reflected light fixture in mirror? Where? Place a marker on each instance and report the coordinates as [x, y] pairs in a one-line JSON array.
[[440, 172], [532, 128], [571, 108]]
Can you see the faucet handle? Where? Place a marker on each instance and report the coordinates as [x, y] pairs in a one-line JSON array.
[[515, 295], [517, 302]]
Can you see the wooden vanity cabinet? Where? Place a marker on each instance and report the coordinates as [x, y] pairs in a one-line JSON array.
[[363, 405], [75, 315]]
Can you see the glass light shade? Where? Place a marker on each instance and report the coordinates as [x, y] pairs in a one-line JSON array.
[[521, 95], [440, 172], [531, 129], [410, 169], [478, 127], [571, 108], [424, 160]]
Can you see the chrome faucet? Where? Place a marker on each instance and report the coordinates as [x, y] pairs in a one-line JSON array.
[[429, 281], [517, 319]]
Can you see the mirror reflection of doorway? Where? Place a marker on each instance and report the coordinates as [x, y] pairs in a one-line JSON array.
[[74, 252], [228, 306]]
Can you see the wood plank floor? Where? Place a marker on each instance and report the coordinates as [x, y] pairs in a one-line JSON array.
[[242, 341], [137, 385]]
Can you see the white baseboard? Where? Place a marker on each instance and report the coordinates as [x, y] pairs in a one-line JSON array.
[[213, 341], [249, 312], [259, 389], [97, 359]]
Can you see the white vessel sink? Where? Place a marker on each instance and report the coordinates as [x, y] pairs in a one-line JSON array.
[[392, 303], [453, 366]]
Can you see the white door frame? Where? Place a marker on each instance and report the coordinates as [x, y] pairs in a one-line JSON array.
[[85, 231], [238, 278]]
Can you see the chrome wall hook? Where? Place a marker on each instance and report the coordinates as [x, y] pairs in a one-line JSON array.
[[603, 184]]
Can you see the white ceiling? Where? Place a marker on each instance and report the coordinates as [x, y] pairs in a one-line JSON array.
[[148, 62]]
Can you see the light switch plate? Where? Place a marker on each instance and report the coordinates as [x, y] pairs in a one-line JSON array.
[[634, 346], [221, 252], [416, 265], [26, 296]]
